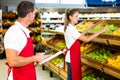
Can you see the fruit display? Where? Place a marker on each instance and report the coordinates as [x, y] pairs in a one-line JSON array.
[[7, 23], [84, 67], [36, 22], [4, 15], [52, 40], [81, 27], [85, 46], [37, 38], [111, 28], [36, 30], [84, 26], [39, 47], [61, 44], [57, 42], [96, 58], [116, 32], [100, 55], [8, 19], [1, 30], [92, 77], [9, 15], [58, 62], [114, 62]]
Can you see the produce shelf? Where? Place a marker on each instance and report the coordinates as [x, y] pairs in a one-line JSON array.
[[61, 72], [57, 70], [112, 72], [92, 63], [51, 46], [106, 39], [102, 38], [53, 31], [111, 66], [52, 67], [88, 71], [94, 46], [104, 67]]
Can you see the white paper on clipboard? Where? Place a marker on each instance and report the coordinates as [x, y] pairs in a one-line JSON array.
[[52, 57]]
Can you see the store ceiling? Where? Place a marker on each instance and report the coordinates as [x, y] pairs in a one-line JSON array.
[[86, 10], [46, 8], [11, 3]]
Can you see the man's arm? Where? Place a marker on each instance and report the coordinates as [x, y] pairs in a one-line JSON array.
[[15, 60]]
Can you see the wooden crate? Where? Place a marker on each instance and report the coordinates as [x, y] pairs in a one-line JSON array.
[[88, 71], [54, 68], [116, 22], [110, 66], [90, 63], [100, 74], [112, 73], [63, 74], [116, 32], [94, 46], [95, 23], [102, 23], [96, 76], [85, 21], [95, 61], [84, 24]]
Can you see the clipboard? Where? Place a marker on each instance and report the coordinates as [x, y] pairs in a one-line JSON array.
[[53, 56]]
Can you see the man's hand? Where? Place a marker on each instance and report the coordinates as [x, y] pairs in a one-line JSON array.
[[39, 57]]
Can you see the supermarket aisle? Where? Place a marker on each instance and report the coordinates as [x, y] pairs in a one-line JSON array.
[[44, 74], [3, 69], [41, 75]]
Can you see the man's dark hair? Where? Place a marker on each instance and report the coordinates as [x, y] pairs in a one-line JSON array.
[[24, 8]]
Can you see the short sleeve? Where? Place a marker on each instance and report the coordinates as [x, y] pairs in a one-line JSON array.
[[11, 41], [74, 33]]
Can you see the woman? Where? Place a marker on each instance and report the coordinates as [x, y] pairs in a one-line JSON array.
[[72, 39]]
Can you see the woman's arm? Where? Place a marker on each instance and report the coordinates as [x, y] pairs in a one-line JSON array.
[[93, 25], [90, 27], [89, 38]]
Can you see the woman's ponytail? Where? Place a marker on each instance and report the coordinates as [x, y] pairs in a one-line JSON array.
[[66, 19], [68, 12]]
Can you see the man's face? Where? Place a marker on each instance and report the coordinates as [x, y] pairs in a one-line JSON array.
[[32, 16]]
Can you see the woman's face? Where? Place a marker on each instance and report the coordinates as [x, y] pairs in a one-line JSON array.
[[74, 18]]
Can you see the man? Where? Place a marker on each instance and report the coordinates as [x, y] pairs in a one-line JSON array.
[[18, 45]]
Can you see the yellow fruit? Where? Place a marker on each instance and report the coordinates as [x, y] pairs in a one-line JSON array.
[[118, 56], [82, 48]]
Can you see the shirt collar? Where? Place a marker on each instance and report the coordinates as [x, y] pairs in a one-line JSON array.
[[70, 24], [22, 27]]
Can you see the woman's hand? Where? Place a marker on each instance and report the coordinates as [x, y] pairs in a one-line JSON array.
[[91, 26], [105, 29]]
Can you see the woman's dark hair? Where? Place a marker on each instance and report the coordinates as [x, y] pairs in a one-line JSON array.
[[68, 12], [24, 8]]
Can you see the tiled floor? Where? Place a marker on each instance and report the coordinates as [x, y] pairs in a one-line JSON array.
[[41, 74]]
